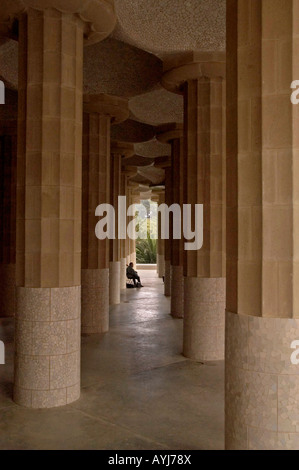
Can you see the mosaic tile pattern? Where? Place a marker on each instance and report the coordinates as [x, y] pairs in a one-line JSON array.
[[262, 384], [95, 301], [123, 277], [204, 318], [114, 282], [47, 346]]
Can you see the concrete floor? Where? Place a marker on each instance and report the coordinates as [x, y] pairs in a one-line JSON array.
[[138, 391]]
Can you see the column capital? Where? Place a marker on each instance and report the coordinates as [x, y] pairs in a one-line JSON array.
[[166, 133], [129, 171], [191, 66], [122, 148], [98, 16], [163, 162], [107, 105]]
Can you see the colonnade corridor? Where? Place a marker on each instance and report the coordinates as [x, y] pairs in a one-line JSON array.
[[137, 391]]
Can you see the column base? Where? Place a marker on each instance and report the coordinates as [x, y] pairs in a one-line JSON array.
[[204, 318], [123, 276], [161, 265], [95, 301], [114, 282], [167, 279], [262, 384], [8, 290], [177, 291], [47, 347]]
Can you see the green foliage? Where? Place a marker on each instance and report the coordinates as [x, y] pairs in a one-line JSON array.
[[146, 251]]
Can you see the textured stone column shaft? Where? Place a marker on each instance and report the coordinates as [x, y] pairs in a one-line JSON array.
[[114, 267], [8, 151], [131, 243], [167, 243], [95, 253], [262, 240], [204, 269], [177, 248], [48, 259], [160, 243], [123, 243]]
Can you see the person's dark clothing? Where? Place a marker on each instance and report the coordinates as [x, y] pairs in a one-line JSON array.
[[132, 274]]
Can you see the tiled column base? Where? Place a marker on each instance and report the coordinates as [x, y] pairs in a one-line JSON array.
[[262, 384], [177, 292], [95, 301], [47, 346], [161, 265], [204, 318], [123, 277], [114, 282], [7, 290], [167, 279]]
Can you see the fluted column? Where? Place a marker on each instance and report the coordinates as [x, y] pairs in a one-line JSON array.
[[262, 320], [118, 150], [167, 242], [100, 111], [48, 256], [173, 134], [123, 243], [200, 78], [160, 242], [131, 258], [8, 164]]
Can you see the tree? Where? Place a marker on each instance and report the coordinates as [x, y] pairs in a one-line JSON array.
[[146, 251]]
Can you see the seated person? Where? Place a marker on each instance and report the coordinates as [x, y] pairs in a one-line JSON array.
[[132, 274]]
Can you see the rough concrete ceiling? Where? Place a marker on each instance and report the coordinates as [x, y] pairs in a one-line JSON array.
[[119, 69], [125, 65], [9, 63], [152, 149], [157, 107], [169, 26], [110, 67]]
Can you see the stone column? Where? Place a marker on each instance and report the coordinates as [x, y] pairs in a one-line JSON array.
[[160, 242], [48, 257], [123, 243], [173, 134], [131, 243], [200, 78], [262, 384], [118, 150], [167, 242], [8, 164], [100, 111]]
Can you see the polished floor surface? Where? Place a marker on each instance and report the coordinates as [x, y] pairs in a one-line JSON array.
[[138, 391]]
